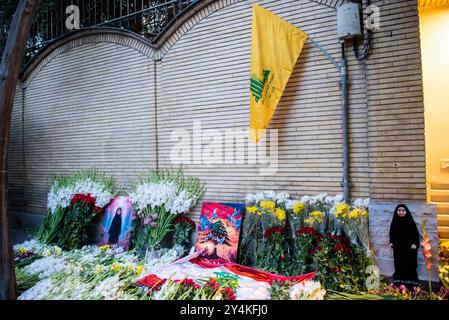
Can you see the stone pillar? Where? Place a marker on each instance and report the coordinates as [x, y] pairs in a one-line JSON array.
[[380, 215]]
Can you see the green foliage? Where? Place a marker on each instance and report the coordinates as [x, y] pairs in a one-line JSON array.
[[280, 290], [335, 295], [72, 232], [51, 226], [272, 255], [24, 280], [182, 235], [340, 265]]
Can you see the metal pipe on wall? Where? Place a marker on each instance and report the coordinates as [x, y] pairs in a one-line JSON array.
[[344, 121]]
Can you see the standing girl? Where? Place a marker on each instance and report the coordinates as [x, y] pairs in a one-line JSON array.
[[404, 239]]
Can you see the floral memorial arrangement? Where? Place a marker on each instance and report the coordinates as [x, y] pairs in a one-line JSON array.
[[158, 197], [72, 204], [313, 248], [320, 233]]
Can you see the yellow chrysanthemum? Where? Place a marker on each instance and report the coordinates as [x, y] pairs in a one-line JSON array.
[[444, 245], [267, 205], [104, 248], [280, 214], [252, 210], [317, 216], [116, 267], [298, 207], [140, 269], [341, 210], [21, 250], [309, 221], [357, 213]]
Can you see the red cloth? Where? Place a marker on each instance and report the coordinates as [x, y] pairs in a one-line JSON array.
[[153, 281], [255, 274]]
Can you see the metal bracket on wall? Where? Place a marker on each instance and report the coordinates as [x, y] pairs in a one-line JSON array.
[[327, 54]]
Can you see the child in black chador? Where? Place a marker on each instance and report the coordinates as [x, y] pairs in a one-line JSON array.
[[404, 239]]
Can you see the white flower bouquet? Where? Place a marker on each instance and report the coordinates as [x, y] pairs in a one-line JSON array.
[[307, 290], [73, 201], [158, 197]]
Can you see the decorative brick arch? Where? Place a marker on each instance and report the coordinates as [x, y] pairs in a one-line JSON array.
[[193, 17], [82, 37], [128, 38]]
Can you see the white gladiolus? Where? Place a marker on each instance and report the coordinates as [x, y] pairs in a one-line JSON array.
[[47, 266], [163, 194], [39, 291], [32, 246], [338, 198], [307, 290], [107, 289], [60, 197], [305, 199]]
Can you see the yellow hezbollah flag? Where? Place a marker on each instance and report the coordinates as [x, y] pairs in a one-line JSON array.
[[275, 47]]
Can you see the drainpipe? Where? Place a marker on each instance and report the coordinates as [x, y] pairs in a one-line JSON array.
[[156, 135], [341, 67], [344, 121]]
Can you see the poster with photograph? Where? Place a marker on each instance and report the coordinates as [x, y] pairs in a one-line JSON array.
[[116, 227], [219, 231]]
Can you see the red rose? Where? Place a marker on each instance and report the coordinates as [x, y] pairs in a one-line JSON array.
[[182, 219], [271, 231], [307, 230]]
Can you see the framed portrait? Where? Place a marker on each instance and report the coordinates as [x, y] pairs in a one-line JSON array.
[[116, 226]]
